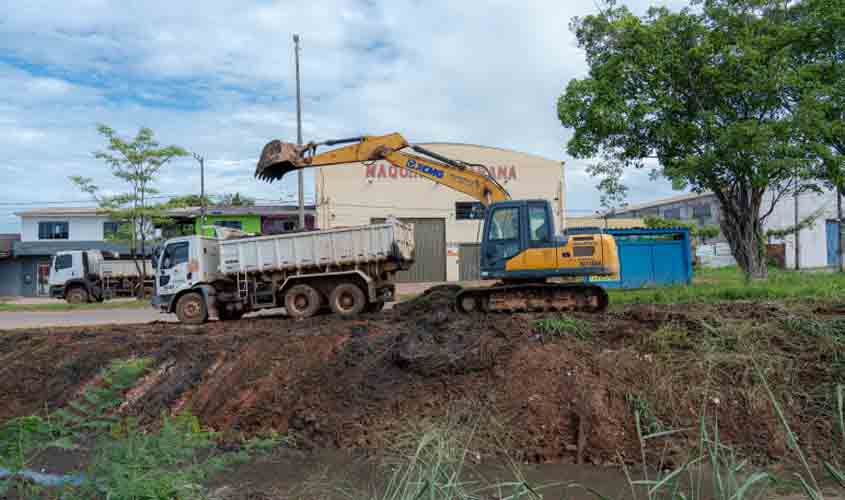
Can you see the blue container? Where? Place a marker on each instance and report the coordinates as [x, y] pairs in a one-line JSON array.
[[650, 257]]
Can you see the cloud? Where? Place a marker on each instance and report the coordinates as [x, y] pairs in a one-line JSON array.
[[217, 77]]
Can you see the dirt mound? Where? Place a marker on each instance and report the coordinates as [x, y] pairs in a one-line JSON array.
[[365, 383]]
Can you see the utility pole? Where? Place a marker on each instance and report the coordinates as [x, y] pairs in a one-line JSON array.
[[201, 161], [300, 177], [797, 229]]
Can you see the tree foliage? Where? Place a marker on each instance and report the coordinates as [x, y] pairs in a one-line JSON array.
[[709, 92], [705, 232], [137, 163]]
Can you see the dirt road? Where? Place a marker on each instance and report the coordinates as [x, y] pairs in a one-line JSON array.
[[88, 317]]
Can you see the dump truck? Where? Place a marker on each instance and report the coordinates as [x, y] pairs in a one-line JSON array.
[[346, 270], [81, 276]]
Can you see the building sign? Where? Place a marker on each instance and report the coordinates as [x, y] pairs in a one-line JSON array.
[[384, 170]]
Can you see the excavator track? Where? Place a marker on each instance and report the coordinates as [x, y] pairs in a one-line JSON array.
[[533, 297]]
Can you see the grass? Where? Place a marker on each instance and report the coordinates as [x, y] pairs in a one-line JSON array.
[[563, 326], [728, 284], [64, 306], [126, 462]]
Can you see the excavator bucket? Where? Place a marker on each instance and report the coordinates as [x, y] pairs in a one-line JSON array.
[[277, 159]]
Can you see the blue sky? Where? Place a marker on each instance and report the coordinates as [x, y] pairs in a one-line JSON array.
[[217, 78]]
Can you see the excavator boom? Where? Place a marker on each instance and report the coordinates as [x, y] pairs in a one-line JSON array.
[[278, 158]]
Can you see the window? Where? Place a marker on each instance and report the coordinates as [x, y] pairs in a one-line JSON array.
[[504, 224], [469, 210], [672, 213], [538, 225], [174, 254], [231, 224], [52, 230], [701, 212], [64, 261], [110, 229]]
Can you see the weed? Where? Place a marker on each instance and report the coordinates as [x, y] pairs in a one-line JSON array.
[[562, 326], [668, 337]]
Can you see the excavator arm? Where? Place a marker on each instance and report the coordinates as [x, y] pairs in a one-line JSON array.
[[278, 158]]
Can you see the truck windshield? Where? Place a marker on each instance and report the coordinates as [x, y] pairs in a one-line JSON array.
[[174, 254]]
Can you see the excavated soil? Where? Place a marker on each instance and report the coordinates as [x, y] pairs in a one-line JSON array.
[[367, 383]]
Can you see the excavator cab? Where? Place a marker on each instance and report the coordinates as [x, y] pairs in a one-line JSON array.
[[519, 244]]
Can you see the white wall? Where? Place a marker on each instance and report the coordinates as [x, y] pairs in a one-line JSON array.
[[89, 228], [813, 241]]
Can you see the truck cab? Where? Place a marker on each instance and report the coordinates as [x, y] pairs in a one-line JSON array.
[[74, 276], [183, 264]]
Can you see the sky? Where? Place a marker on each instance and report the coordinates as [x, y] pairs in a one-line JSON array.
[[217, 78]]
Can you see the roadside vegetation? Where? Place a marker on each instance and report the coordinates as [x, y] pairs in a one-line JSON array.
[[728, 284]]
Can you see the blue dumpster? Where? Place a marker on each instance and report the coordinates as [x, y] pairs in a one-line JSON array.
[[650, 257]]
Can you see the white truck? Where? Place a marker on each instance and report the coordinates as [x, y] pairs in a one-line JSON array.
[[348, 270], [81, 276]]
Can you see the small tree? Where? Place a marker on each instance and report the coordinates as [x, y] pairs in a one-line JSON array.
[[236, 200], [708, 93], [137, 163]]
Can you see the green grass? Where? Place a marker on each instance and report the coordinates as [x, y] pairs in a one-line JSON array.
[[64, 306], [563, 326], [728, 284]]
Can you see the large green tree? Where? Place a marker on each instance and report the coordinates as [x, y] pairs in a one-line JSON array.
[[705, 96], [136, 162], [820, 80]]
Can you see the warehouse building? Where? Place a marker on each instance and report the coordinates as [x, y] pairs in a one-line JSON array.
[[447, 223]]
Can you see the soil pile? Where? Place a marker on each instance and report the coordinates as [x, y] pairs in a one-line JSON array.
[[367, 383]]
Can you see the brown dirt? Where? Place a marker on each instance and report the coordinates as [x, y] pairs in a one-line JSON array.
[[364, 384]]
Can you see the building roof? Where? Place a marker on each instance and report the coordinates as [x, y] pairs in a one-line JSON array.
[[620, 223], [660, 202], [173, 212]]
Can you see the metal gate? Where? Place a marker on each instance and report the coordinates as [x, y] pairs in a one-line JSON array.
[[469, 262], [429, 250], [832, 243]]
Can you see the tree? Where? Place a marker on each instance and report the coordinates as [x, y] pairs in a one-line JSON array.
[[136, 162], [236, 200], [706, 93], [188, 200], [820, 61]]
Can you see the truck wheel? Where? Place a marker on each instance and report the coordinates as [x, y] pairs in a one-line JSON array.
[[347, 299], [77, 295], [191, 309], [302, 301]]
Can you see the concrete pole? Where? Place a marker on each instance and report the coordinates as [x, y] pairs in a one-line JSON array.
[[300, 177], [201, 161]]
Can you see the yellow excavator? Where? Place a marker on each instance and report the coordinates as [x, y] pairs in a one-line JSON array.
[[519, 247]]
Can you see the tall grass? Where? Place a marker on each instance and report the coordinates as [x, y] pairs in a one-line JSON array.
[[728, 284]]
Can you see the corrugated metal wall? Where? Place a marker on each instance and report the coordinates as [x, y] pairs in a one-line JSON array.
[[469, 261], [10, 278], [430, 250]]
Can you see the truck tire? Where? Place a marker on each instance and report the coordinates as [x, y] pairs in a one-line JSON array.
[[77, 295], [302, 301], [347, 299], [191, 309]]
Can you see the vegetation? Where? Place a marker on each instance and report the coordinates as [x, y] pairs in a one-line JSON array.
[[136, 162], [705, 232], [563, 325], [728, 284], [226, 200], [126, 463], [712, 93]]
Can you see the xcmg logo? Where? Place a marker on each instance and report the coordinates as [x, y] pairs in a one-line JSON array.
[[422, 167]]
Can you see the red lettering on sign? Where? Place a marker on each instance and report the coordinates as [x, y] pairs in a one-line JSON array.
[[512, 173], [371, 170], [392, 172], [381, 171]]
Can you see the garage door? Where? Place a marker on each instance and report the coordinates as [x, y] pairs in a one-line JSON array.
[[430, 251], [469, 261]]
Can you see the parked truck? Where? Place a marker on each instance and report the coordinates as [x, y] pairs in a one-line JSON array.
[[347, 270], [81, 276]]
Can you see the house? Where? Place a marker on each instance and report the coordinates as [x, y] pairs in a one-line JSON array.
[[25, 258], [814, 246]]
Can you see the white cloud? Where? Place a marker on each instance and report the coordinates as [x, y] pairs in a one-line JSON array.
[[217, 78]]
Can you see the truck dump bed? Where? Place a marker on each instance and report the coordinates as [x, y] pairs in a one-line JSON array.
[[124, 268], [319, 249]]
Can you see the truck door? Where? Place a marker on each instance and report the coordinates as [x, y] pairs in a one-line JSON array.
[[62, 269], [541, 241], [173, 272], [501, 238]]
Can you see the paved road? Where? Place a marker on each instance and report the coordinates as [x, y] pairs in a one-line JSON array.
[[36, 319]]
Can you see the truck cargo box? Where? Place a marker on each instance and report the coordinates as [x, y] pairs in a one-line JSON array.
[[319, 249]]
